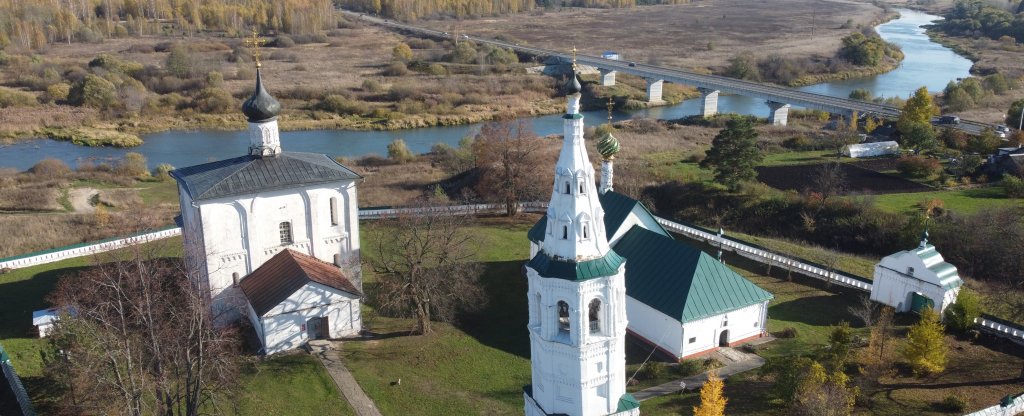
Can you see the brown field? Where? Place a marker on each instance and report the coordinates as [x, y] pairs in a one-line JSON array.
[[678, 35]]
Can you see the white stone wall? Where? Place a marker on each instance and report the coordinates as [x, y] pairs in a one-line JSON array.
[[638, 216], [283, 327], [742, 323], [895, 289], [654, 326], [244, 232]]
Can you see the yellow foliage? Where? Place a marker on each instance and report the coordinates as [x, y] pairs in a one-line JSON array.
[[712, 401], [926, 345]]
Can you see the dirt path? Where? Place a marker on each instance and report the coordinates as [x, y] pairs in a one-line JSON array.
[[80, 199]]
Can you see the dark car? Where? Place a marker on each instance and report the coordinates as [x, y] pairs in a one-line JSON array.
[[632, 64], [949, 120]]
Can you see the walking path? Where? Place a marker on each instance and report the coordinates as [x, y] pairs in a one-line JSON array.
[[735, 362], [357, 398]]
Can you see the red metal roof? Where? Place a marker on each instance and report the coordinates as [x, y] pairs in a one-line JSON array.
[[284, 274]]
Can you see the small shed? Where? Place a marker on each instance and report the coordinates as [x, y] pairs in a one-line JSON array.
[[294, 298], [912, 280], [610, 55], [871, 149], [44, 319]]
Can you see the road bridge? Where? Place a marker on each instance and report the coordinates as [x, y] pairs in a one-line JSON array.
[[778, 99]]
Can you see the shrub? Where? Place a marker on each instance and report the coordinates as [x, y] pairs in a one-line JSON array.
[[163, 172], [437, 69], [399, 152], [93, 91], [788, 332], [918, 166], [214, 100], [181, 62], [342, 106], [961, 314], [396, 69], [373, 86], [688, 368], [1014, 186], [283, 41], [797, 143], [58, 92], [402, 52], [50, 169], [954, 403], [651, 370], [214, 79], [132, 164], [14, 98], [115, 64]]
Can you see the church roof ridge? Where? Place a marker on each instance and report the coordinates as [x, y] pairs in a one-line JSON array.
[[251, 174]]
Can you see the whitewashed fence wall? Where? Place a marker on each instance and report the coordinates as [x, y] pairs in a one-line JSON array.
[[767, 257], [999, 328], [19, 390], [1015, 407]]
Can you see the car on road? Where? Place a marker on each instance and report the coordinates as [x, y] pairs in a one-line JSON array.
[[1002, 128], [465, 36], [632, 64], [949, 120]]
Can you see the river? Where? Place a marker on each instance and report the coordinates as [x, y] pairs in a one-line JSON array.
[[926, 63]]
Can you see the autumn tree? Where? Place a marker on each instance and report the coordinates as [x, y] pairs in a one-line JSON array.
[[926, 345], [140, 338], [1014, 113], [829, 179], [839, 346], [734, 153], [876, 358], [918, 109], [425, 265], [509, 157], [918, 137], [712, 401]]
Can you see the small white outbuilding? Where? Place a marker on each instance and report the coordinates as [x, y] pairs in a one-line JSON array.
[[294, 298], [912, 280], [43, 320], [871, 149]]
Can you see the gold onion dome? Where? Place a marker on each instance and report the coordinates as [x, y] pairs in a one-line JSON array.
[[608, 146]]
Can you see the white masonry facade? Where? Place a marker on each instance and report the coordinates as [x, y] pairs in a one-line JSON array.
[[577, 313]]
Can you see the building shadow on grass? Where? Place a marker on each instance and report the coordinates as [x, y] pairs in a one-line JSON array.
[[501, 323], [19, 298], [820, 310]]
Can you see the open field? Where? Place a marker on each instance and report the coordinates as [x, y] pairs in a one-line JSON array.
[[679, 35], [858, 179], [963, 201]]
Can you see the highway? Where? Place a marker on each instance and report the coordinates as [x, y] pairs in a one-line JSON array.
[[835, 105]]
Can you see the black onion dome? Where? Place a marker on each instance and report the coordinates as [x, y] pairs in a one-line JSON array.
[[572, 86], [261, 106]]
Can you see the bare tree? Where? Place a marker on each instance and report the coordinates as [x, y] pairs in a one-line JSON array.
[[829, 180], [864, 310], [510, 157], [425, 266], [140, 338]]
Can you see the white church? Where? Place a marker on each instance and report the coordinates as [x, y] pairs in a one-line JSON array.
[[275, 235]]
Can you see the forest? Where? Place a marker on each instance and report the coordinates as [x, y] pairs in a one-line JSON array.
[[31, 25], [976, 18], [429, 9]]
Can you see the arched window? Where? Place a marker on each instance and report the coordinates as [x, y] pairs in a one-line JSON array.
[[563, 316], [285, 230], [565, 232], [567, 189], [586, 234], [583, 189], [334, 211], [595, 316], [234, 279]]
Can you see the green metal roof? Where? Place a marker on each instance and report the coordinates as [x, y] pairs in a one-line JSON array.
[[548, 266], [627, 402], [681, 281], [616, 209], [945, 272]]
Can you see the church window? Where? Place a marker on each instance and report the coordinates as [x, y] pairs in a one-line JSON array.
[[234, 279], [910, 271], [565, 232], [563, 316], [692, 340], [582, 188], [285, 230], [585, 234], [595, 316], [567, 189], [334, 211], [725, 322]]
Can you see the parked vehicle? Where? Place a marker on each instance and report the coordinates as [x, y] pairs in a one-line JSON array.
[[632, 64], [1002, 128]]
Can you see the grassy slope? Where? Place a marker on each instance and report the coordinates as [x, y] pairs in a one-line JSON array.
[[964, 201]]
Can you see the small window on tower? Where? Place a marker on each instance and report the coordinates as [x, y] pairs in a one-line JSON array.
[[285, 229], [567, 189], [582, 188], [586, 235], [692, 340], [910, 271], [565, 232], [595, 316], [334, 211]]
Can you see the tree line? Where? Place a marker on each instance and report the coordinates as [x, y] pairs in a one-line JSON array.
[[977, 18], [423, 9], [28, 25]]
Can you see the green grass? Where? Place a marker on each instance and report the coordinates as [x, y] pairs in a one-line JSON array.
[[800, 158], [672, 166], [845, 262], [964, 201], [156, 192], [293, 384]]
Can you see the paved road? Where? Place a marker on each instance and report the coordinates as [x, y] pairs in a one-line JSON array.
[[835, 105], [735, 362]]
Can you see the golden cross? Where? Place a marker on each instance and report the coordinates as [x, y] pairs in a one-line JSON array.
[[574, 56], [611, 106], [254, 44]]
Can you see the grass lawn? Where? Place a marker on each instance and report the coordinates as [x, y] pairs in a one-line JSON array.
[[964, 201], [846, 262], [291, 384]]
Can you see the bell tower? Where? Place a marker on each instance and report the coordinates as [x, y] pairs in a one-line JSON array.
[[577, 293]]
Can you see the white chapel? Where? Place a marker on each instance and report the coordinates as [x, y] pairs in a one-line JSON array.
[[577, 295], [275, 235]]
